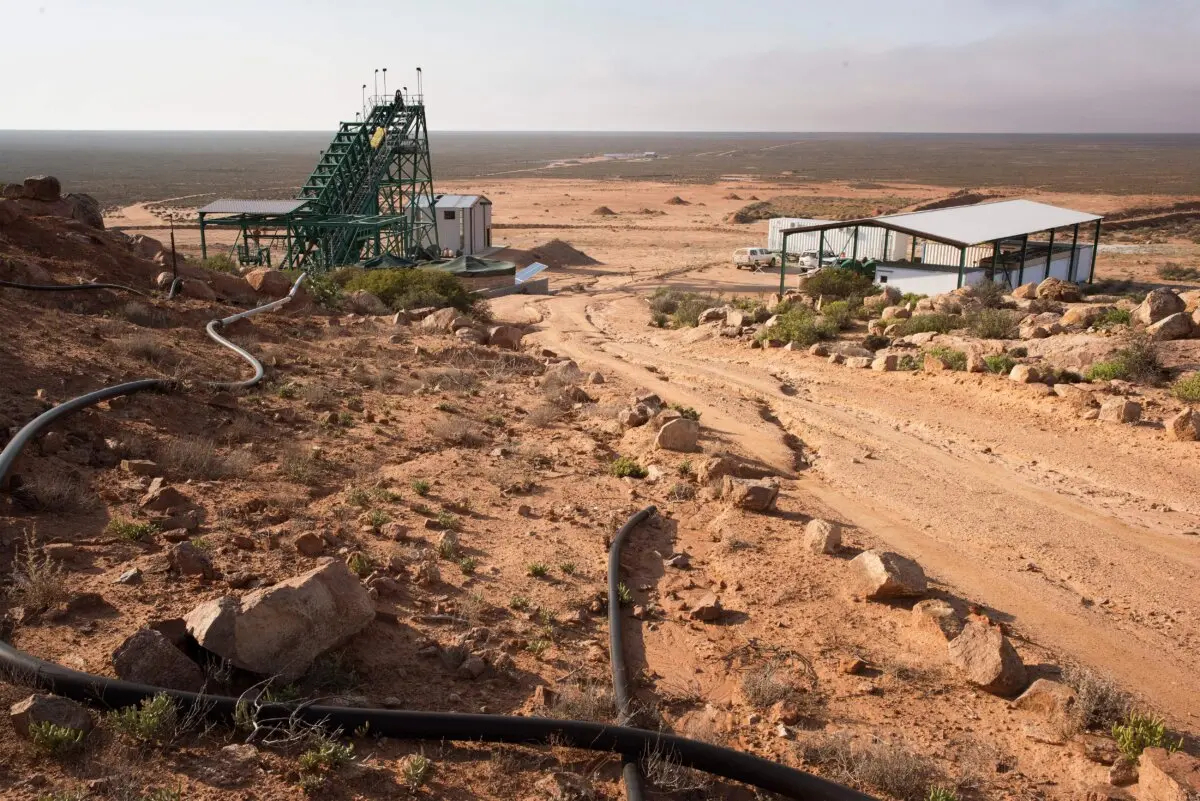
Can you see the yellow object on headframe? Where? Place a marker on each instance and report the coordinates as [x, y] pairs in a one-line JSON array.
[[377, 137]]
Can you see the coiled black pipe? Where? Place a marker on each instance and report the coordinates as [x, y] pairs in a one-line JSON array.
[[68, 287], [26, 669], [631, 771]]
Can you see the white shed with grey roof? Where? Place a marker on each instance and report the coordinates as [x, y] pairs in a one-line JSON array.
[[464, 224], [1012, 242]]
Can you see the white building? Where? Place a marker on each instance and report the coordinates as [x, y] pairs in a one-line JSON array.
[[928, 252], [464, 223]]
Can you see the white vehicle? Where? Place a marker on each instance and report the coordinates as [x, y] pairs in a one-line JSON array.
[[753, 258], [808, 260]]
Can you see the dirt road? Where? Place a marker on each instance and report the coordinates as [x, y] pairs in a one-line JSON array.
[[1081, 536]]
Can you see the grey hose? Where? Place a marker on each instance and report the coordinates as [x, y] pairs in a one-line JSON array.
[[68, 287]]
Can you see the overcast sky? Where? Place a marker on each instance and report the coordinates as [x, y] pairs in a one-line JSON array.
[[663, 65]]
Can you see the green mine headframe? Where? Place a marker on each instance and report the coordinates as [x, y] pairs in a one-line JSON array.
[[370, 194]]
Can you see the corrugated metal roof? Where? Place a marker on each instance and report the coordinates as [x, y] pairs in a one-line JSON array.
[[459, 201], [234, 206], [985, 222]]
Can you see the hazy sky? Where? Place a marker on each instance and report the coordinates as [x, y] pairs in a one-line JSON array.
[[715, 65]]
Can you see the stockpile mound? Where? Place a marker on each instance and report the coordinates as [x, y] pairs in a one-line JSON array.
[[604, 211], [558, 253], [678, 201]]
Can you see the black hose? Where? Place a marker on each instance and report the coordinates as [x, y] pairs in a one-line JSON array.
[[68, 287], [23, 668], [631, 771]]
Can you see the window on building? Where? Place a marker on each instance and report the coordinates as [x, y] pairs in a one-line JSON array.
[[448, 214]]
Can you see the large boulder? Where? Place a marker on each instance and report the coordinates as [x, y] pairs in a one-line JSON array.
[[86, 209], [440, 321], [269, 283], [1059, 290], [881, 575], [505, 336], [754, 495], [713, 315], [1084, 316], [195, 288], [1168, 776], [988, 659], [1173, 326], [42, 708], [280, 630], [41, 187], [896, 313], [148, 657], [1159, 303], [681, 434], [1050, 699]]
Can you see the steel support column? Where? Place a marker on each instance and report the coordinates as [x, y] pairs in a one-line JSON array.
[[1074, 248], [912, 255], [995, 258], [854, 255], [1021, 267], [1050, 253], [821, 249], [1095, 252], [962, 263], [203, 244], [783, 266], [886, 235]]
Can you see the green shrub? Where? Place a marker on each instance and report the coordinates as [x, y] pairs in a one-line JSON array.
[[908, 362], [54, 740], [911, 297], [659, 319], [1177, 272], [152, 723], [1139, 732], [1114, 317], [221, 263], [1137, 361], [416, 771], [624, 466], [936, 322], [1187, 388], [999, 363], [687, 314], [321, 287], [683, 308], [409, 289], [800, 324], [840, 313], [955, 359], [538, 569], [129, 530], [420, 486], [624, 594], [686, 411], [838, 282], [941, 794], [993, 324]]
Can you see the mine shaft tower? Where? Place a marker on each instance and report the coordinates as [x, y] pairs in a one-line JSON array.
[[371, 194]]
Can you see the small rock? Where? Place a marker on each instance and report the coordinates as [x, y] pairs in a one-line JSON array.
[[505, 336], [130, 576], [881, 575], [1171, 327], [243, 542], [680, 561], [472, 668], [1185, 426], [43, 708], [1123, 772], [595, 378], [543, 697], [887, 364], [310, 544], [988, 659], [707, 608], [786, 712], [755, 495], [822, 536], [1120, 410], [1024, 374], [140, 467], [1051, 699], [147, 657], [937, 617], [681, 435], [818, 350], [852, 666], [1095, 748], [859, 362], [1106, 792], [190, 560], [564, 786], [632, 417]]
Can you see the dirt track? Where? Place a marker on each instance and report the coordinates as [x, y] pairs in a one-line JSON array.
[[1076, 534]]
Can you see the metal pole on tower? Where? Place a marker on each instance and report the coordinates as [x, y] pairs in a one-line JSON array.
[[385, 81], [376, 83], [364, 100], [420, 91]]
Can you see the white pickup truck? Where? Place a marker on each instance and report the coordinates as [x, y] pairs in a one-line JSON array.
[[753, 258]]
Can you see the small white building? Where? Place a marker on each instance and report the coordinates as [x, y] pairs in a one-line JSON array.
[[464, 223], [1012, 242]]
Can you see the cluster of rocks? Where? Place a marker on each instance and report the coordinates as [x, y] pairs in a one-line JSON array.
[[465, 329], [41, 195], [676, 432]]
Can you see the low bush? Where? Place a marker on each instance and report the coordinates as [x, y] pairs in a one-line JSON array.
[[194, 457], [1177, 272], [57, 492], [1137, 361], [993, 324], [999, 363], [221, 263], [954, 359], [936, 322], [838, 282], [416, 771], [37, 581], [151, 723], [1114, 317], [1099, 703], [624, 466], [53, 739], [989, 293], [1187, 388], [1138, 732], [800, 325], [911, 297], [686, 411], [840, 313], [884, 767], [584, 701], [409, 289], [766, 685]]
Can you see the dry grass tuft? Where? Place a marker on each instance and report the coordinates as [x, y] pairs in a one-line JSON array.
[[57, 492], [543, 415], [37, 582], [194, 457], [662, 768], [766, 685], [148, 348], [142, 315], [456, 431], [584, 701], [889, 768], [1099, 703], [299, 465]]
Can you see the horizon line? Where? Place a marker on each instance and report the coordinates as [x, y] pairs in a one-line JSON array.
[[325, 131]]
